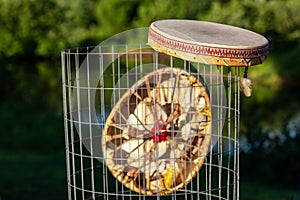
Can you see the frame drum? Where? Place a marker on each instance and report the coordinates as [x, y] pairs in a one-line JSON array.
[[208, 42], [155, 140]]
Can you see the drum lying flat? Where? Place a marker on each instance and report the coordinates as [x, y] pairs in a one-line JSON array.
[[208, 42], [156, 138]]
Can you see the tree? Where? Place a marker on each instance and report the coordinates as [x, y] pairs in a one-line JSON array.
[[278, 20]]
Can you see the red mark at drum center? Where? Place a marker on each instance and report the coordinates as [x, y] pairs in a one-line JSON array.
[[159, 131]]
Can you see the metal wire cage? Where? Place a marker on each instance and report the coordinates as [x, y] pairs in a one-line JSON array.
[[140, 124]]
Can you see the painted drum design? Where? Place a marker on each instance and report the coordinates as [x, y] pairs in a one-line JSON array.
[[157, 136]]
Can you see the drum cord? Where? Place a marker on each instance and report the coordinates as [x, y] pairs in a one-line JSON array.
[[246, 72], [245, 84]]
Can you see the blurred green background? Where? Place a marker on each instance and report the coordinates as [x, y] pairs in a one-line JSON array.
[[32, 33]]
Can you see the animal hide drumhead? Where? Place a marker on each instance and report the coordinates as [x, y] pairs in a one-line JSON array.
[[158, 134]]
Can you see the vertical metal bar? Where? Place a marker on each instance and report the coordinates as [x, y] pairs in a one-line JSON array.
[[235, 133], [114, 99], [64, 89], [220, 120], [119, 87], [136, 73], [79, 121], [90, 124], [229, 79], [69, 80], [211, 147], [102, 113], [141, 74], [198, 176], [191, 162], [206, 160], [237, 138], [158, 78], [127, 87]]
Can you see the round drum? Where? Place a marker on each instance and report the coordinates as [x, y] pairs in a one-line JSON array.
[[208, 42], [157, 136]]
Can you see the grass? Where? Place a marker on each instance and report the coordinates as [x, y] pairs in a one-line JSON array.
[[31, 176], [25, 175], [251, 190], [32, 160]]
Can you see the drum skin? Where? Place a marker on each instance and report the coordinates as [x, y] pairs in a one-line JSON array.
[[157, 136], [208, 42]]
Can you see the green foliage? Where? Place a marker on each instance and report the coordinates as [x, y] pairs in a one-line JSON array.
[[278, 20], [150, 11], [42, 28], [114, 16], [32, 84]]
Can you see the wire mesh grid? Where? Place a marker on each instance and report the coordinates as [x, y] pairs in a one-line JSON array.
[[136, 127]]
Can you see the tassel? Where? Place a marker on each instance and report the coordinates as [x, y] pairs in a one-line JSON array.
[[246, 86]]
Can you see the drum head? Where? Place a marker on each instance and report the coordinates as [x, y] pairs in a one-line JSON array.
[[156, 138], [208, 42]]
